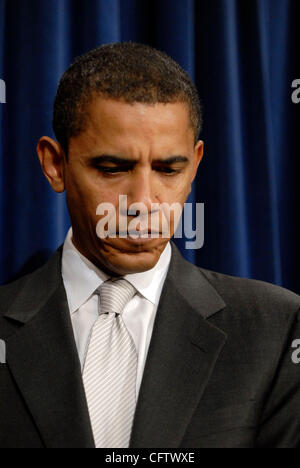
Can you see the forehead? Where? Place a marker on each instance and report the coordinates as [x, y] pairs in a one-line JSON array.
[[113, 117], [120, 128]]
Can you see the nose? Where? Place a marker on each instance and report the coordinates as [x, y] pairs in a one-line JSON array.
[[142, 191]]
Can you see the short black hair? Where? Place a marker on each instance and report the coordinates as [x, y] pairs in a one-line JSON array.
[[125, 71]]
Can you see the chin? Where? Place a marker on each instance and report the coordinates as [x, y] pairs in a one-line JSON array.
[[125, 259], [127, 263]]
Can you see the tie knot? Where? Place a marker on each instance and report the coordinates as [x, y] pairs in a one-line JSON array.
[[114, 295]]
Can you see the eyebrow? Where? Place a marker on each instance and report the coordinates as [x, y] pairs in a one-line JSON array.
[[106, 158], [173, 159], [110, 158]]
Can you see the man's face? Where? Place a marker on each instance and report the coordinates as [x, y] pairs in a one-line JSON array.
[[145, 152]]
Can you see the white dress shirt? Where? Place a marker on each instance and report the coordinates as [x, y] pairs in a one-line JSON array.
[[81, 279]]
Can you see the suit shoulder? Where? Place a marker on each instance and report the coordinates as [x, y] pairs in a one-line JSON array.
[[9, 291], [33, 283], [253, 293]]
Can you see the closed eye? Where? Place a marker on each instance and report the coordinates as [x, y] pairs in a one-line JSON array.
[[126, 168], [167, 170], [113, 170]]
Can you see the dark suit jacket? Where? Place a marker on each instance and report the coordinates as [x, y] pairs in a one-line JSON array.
[[219, 371]]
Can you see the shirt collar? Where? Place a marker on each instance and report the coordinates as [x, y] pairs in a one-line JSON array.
[[81, 277]]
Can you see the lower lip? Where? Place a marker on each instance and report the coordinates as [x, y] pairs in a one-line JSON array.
[[139, 240]]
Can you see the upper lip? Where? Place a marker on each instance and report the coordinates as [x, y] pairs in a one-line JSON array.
[[140, 233]]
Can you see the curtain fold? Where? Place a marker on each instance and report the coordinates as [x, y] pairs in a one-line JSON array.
[[242, 55]]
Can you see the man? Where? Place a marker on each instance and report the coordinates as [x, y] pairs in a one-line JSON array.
[[118, 341]]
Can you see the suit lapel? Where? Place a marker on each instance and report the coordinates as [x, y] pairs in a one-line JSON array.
[[42, 357], [182, 354], [43, 360]]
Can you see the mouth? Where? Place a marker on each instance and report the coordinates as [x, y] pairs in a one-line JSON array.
[[135, 234], [137, 237], [144, 234]]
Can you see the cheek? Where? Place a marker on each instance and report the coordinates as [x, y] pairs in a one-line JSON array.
[[84, 190], [177, 190]]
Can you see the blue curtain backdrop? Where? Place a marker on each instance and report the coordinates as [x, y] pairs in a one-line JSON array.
[[242, 55]]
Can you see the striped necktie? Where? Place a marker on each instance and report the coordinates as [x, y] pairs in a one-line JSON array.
[[109, 373]]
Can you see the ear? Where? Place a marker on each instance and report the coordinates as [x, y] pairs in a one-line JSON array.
[[52, 160], [198, 155]]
